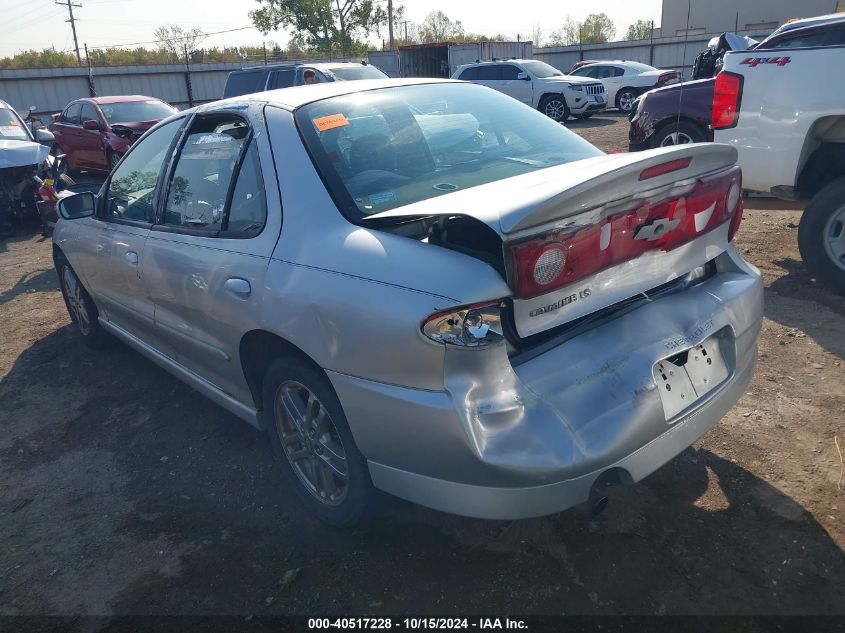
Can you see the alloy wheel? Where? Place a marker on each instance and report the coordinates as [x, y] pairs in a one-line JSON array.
[[555, 109], [311, 443], [626, 101], [834, 237], [676, 138], [76, 301]]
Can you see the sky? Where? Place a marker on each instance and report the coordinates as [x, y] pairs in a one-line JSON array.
[[41, 23]]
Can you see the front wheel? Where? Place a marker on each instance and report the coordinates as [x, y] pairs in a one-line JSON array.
[[625, 99], [309, 433], [554, 107], [821, 235], [81, 308]]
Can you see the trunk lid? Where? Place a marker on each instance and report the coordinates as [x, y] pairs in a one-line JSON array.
[[626, 224]]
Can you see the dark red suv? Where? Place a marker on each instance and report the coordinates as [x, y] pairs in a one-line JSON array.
[[95, 133]]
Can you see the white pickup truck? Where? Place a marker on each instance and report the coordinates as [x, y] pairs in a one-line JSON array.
[[782, 106]]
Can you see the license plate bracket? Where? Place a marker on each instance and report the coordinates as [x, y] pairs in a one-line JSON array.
[[688, 376]]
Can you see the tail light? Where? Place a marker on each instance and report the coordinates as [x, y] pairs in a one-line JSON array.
[[561, 257], [662, 79], [727, 95]]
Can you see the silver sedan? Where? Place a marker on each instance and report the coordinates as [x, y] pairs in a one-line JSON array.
[[427, 288]]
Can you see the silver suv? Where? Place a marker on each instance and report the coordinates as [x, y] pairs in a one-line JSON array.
[[539, 85], [424, 287]]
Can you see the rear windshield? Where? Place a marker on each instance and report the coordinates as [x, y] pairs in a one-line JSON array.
[[131, 111], [11, 128], [382, 149], [353, 73]]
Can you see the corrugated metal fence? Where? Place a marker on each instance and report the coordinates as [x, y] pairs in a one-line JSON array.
[[675, 53]]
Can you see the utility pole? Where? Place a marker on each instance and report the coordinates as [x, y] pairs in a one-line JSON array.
[[389, 24], [72, 21]]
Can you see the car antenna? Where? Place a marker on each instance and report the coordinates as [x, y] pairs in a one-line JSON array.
[[683, 63]]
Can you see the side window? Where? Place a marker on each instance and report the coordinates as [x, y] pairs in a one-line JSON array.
[[248, 209], [469, 74], [71, 114], [615, 71], [205, 169], [593, 71], [132, 186], [509, 72], [88, 113], [281, 79], [488, 72]]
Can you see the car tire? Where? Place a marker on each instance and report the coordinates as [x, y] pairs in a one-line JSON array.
[[678, 133], [554, 107], [821, 231], [625, 99], [311, 437], [81, 308]]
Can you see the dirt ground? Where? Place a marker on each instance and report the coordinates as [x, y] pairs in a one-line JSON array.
[[122, 491]]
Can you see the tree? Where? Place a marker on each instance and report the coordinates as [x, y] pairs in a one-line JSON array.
[[566, 35], [175, 40], [437, 27], [322, 22], [537, 35], [639, 30], [597, 29]]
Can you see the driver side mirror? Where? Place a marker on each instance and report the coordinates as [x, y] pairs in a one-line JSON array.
[[80, 205], [44, 136], [90, 124], [523, 77]]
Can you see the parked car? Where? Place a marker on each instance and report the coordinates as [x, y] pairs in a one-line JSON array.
[[466, 304], [24, 157], [673, 115], [779, 106], [625, 81], [94, 133], [539, 85], [260, 78]]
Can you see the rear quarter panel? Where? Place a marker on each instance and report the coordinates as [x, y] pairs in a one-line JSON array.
[[780, 103], [691, 101]]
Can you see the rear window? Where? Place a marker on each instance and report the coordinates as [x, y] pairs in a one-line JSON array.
[[353, 73], [382, 149], [132, 111], [11, 127]]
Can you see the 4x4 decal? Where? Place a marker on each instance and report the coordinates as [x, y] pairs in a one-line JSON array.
[[756, 61]]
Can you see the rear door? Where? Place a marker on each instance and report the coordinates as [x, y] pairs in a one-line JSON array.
[[207, 254]]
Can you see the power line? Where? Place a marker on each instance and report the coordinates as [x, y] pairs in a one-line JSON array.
[[177, 39], [72, 21]]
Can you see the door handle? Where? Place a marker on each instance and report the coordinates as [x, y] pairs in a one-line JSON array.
[[132, 258], [238, 287]]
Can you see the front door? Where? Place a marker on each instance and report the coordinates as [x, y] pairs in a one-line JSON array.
[[205, 259], [509, 83], [115, 240], [90, 146]]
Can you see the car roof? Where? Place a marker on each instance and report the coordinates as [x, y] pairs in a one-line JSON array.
[[119, 99], [819, 20], [317, 65], [296, 96], [481, 62]]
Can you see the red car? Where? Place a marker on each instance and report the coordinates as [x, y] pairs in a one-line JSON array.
[[95, 133]]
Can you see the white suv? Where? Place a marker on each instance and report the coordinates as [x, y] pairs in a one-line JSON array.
[[539, 85]]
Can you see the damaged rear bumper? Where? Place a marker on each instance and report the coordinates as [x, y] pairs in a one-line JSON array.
[[505, 442]]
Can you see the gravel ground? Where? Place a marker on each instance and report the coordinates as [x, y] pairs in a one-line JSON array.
[[122, 491]]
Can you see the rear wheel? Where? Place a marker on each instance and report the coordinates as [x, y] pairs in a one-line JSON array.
[[625, 99], [308, 430], [83, 313], [680, 133], [114, 159], [821, 235], [554, 107]]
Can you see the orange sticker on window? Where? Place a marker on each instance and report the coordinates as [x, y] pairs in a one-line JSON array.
[[330, 122]]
